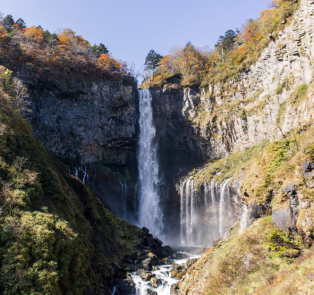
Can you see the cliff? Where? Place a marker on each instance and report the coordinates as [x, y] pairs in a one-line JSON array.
[[90, 123]]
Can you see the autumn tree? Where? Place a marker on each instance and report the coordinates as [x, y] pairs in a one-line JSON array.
[[97, 50], [152, 60], [34, 33]]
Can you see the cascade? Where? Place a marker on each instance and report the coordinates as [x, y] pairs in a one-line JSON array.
[[150, 212], [244, 217], [223, 207], [204, 217], [124, 189]]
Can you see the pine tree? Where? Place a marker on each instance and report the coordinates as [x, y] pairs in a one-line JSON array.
[[152, 61]]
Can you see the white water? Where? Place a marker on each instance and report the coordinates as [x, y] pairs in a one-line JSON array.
[[163, 274], [150, 213], [215, 208], [243, 220], [223, 207]]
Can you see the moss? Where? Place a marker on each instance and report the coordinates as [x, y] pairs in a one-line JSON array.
[[56, 236]]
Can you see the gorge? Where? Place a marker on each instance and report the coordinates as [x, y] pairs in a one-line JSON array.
[[99, 172]]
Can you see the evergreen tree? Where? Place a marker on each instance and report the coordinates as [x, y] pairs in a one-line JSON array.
[[8, 21], [152, 61], [97, 50], [21, 23]]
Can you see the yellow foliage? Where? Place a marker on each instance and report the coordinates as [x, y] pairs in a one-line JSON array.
[[34, 33]]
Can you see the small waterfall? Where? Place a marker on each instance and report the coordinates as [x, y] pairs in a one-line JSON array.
[[150, 212], [124, 188], [244, 217], [204, 220], [223, 207]]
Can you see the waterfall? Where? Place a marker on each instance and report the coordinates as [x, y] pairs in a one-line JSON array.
[[124, 190], [204, 220], [244, 217], [223, 207], [150, 213]]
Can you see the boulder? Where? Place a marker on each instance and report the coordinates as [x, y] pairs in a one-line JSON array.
[[282, 218], [146, 276], [139, 272], [155, 282], [289, 189]]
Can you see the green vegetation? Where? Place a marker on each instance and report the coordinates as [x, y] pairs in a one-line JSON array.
[[261, 260], [299, 95], [56, 236], [269, 166]]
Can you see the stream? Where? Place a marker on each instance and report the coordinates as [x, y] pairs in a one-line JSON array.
[[163, 274]]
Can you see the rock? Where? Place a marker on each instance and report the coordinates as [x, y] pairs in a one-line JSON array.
[[190, 262], [149, 262], [126, 287], [281, 218], [310, 276], [156, 268], [155, 282], [290, 188], [308, 168], [146, 276], [154, 293], [196, 278], [145, 230], [166, 260], [179, 255], [139, 272], [174, 289], [226, 235]]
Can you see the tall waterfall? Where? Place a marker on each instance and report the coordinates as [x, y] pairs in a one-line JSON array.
[[204, 215], [150, 213]]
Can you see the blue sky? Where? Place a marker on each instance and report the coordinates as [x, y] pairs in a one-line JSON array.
[[130, 28]]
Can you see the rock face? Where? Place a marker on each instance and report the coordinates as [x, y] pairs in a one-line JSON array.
[[92, 126], [262, 103]]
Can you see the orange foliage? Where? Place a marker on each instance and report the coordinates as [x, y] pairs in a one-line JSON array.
[[34, 33], [3, 32]]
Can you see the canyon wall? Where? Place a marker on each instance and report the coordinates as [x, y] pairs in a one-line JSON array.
[[91, 125]]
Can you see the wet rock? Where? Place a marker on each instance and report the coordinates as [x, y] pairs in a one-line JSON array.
[[126, 287], [155, 268], [155, 282], [154, 293], [139, 272], [190, 262], [178, 255], [177, 271], [146, 276], [166, 260]]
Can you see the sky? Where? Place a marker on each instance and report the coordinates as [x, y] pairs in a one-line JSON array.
[[130, 28]]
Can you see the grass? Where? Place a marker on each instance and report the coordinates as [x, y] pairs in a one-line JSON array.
[[250, 263]]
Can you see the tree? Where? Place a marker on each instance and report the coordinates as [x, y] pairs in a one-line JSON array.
[[97, 50], [152, 61], [226, 43], [8, 21], [21, 23]]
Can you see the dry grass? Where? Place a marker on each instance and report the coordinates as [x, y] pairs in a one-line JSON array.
[[243, 265]]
